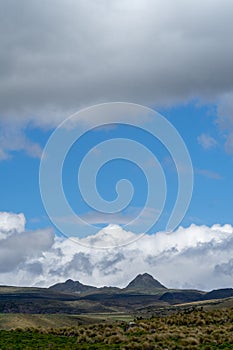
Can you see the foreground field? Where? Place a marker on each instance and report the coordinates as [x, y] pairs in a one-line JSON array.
[[12, 321], [190, 329]]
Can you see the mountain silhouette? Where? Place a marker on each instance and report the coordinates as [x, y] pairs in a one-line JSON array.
[[72, 297], [71, 286], [144, 281], [140, 282]]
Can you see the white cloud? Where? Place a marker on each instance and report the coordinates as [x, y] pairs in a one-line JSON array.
[[10, 223], [225, 119], [208, 173], [207, 141], [193, 257], [13, 138]]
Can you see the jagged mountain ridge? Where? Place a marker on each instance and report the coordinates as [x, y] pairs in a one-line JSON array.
[[141, 282], [72, 287], [72, 297]]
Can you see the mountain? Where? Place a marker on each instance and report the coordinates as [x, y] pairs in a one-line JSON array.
[[219, 294], [140, 282], [144, 282], [71, 286], [72, 297]]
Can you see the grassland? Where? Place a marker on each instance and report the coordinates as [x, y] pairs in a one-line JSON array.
[[45, 321], [108, 320], [187, 329]]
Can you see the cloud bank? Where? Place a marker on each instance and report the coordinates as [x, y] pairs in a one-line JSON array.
[[59, 56], [193, 257]]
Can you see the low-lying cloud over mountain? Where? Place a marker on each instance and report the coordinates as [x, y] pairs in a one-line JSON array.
[[193, 257]]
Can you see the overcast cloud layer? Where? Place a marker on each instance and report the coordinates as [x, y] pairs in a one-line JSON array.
[[57, 56], [195, 257]]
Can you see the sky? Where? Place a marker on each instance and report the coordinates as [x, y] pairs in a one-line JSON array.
[[139, 63]]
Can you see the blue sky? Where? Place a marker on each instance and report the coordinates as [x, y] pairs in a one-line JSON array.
[[61, 56], [212, 193]]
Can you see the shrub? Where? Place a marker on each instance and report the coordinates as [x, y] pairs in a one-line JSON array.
[[189, 341]]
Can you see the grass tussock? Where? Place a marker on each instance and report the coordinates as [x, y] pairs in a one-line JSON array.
[[184, 330]]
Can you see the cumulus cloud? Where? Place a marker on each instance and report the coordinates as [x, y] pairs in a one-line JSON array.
[[10, 223], [16, 249], [58, 56], [193, 257], [19, 247]]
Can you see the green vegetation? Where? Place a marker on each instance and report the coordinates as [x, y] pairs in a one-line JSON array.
[[188, 329], [140, 316]]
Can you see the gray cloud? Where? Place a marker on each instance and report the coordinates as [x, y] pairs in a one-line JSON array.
[[108, 264], [225, 268], [60, 55], [35, 268], [80, 263], [19, 248]]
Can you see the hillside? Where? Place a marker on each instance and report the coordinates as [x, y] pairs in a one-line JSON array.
[[182, 330], [144, 292], [218, 294]]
